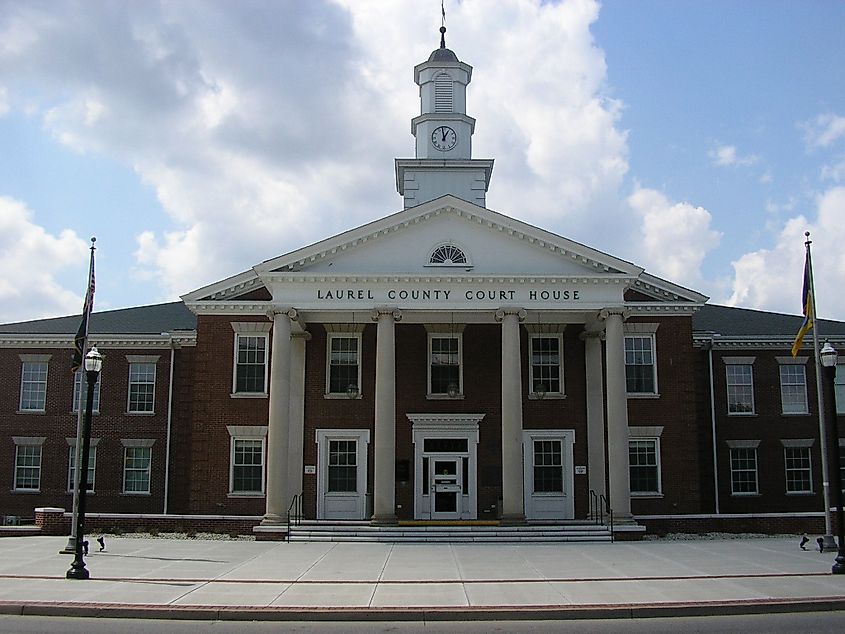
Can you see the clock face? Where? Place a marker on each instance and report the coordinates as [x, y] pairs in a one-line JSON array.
[[444, 138]]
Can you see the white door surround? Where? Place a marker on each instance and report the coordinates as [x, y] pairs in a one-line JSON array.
[[342, 473], [445, 466], [547, 458]]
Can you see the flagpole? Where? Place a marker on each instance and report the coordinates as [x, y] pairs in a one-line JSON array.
[[70, 548], [829, 542]]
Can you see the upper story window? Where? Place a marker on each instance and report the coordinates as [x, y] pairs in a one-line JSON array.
[[142, 384], [545, 361], [793, 386], [443, 87], [249, 374], [445, 373], [448, 254], [34, 382], [343, 362], [640, 363], [78, 382], [740, 385]]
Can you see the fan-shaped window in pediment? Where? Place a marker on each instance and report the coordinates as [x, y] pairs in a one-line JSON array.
[[448, 254]]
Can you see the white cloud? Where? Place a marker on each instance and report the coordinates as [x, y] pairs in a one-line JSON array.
[[824, 130], [771, 279], [834, 172], [4, 101], [675, 237], [31, 259], [727, 156]]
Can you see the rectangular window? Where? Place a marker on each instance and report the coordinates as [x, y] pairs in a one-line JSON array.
[[142, 385], [344, 366], [545, 366], [71, 471], [247, 465], [343, 466], [644, 465], [640, 370], [78, 383], [33, 386], [798, 470], [136, 469], [740, 382], [445, 366], [839, 386], [250, 364], [744, 471], [548, 466], [28, 467], [793, 389]]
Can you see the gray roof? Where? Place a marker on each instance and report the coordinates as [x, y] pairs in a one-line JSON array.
[[743, 322], [141, 320], [442, 55]]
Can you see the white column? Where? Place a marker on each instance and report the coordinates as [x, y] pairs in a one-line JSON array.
[[384, 468], [278, 420], [617, 415], [595, 411], [513, 510], [297, 413]]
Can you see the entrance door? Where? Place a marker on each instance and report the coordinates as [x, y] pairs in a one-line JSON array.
[[342, 474], [548, 474], [446, 486]]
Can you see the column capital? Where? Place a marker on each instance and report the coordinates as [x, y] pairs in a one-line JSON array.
[[380, 311], [624, 313], [500, 314], [290, 312]]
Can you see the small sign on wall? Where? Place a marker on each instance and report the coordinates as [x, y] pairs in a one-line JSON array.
[[310, 469], [580, 470]]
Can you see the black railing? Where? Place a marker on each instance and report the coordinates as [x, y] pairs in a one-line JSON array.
[[294, 516], [599, 507]]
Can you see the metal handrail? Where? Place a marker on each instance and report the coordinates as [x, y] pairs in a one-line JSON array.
[[599, 506], [296, 517], [606, 505]]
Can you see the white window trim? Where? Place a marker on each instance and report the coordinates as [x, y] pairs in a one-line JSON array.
[[28, 441], [342, 335], [134, 443], [434, 334], [740, 361], [322, 438], [647, 330], [745, 444], [250, 329], [83, 387], [653, 432], [247, 432], [34, 358], [145, 359], [71, 442], [557, 334], [802, 443], [789, 361]]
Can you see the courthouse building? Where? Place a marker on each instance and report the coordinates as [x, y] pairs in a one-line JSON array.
[[446, 362]]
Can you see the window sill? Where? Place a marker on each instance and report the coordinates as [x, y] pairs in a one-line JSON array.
[[742, 414], [795, 414], [26, 491], [87, 493], [248, 395], [237, 495], [800, 493], [341, 396], [641, 496], [642, 395], [140, 413], [444, 397], [136, 493], [746, 495], [40, 412], [94, 413], [533, 396]]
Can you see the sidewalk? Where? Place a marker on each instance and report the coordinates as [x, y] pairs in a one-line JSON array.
[[210, 579]]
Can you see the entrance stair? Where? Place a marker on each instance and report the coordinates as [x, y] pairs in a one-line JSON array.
[[355, 531]]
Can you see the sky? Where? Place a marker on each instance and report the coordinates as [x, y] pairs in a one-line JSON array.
[[698, 139]]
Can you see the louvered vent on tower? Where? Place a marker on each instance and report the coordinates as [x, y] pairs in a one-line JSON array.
[[443, 93]]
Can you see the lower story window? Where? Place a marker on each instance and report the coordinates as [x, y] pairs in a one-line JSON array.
[[71, 471], [136, 469], [28, 468], [247, 465], [798, 471], [744, 471], [644, 465], [548, 466], [343, 466]]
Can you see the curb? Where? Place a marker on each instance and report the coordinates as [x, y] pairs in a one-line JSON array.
[[526, 613]]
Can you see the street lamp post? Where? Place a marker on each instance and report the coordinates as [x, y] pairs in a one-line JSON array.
[[828, 359], [93, 365]]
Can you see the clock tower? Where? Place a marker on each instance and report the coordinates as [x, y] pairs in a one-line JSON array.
[[443, 132]]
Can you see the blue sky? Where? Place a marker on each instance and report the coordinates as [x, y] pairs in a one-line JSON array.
[[196, 139]]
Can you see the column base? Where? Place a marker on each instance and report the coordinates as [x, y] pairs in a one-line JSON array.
[[829, 543], [271, 519], [384, 520], [512, 519]]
